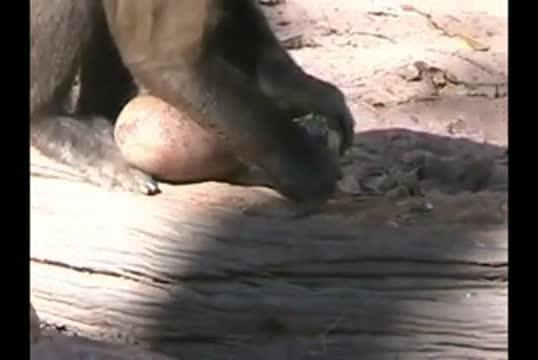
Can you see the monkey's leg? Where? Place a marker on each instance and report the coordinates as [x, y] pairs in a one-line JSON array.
[[106, 84], [60, 30], [159, 44], [250, 44], [87, 144]]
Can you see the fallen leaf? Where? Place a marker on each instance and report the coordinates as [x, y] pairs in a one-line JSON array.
[[472, 43]]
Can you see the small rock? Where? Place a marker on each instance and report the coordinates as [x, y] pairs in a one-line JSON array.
[[409, 72], [438, 78], [457, 126]]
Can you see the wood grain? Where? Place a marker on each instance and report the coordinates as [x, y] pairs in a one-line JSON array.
[[195, 273]]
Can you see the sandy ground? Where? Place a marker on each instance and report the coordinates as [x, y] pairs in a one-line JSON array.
[[427, 83]]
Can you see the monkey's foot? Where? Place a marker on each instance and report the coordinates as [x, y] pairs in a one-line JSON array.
[[122, 177], [87, 145]]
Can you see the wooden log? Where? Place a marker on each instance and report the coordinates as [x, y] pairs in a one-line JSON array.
[[61, 347], [35, 331], [196, 273]]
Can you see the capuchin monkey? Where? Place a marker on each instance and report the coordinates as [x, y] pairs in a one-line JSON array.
[[218, 60]]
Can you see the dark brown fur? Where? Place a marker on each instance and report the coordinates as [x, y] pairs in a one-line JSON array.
[[217, 59]]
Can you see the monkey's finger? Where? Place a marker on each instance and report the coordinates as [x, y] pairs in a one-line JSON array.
[[150, 187], [348, 132], [127, 179], [141, 182], [343, 125], [145, 188]]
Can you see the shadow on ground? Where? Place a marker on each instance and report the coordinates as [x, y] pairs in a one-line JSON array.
[[356, 282]]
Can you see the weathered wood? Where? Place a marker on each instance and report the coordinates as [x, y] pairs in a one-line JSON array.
[[193, 272], [35, 331], [53, 346]]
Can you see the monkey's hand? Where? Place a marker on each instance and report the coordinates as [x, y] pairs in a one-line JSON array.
[[306, 173], [334, 109], [115, 174], [311, 96]]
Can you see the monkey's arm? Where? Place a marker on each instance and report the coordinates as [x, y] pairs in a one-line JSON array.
[[250, 44], [164, 46]]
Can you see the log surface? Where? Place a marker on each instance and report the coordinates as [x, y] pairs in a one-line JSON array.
[[209, 271]]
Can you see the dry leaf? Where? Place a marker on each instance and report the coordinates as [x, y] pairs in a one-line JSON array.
[[472, 43]]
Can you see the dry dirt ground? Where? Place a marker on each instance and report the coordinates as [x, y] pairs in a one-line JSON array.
[[427, 83]]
